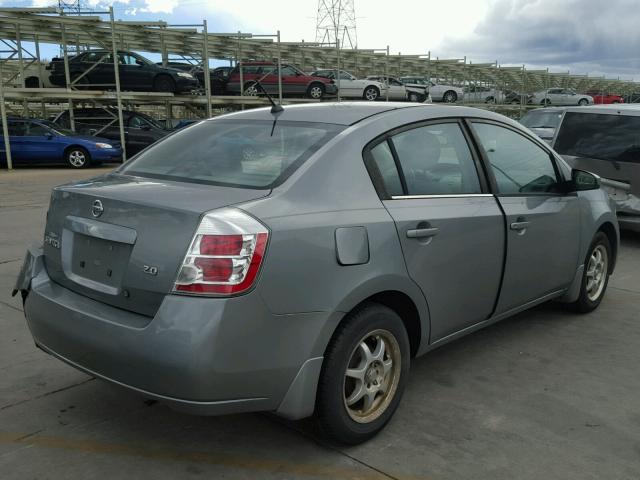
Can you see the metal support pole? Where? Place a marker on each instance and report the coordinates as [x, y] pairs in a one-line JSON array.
[[116, 69], [239, 63], [5, 127], [338, 64], [67, 76], [205, 65], [40, 73], [25, 103], [386, 73], [279, 71]]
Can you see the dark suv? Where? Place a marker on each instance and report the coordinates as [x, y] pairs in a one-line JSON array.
[[605, 140], [140, 130], [136, 73], [294, 81]]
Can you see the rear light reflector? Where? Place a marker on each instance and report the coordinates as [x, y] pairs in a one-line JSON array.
[[225, 255]]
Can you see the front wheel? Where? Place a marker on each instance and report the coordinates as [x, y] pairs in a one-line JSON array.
[[371, 93], [583, 102], [163, 83], [450, 97], [596, 274], [414, 97], [315, 91], [363, 375], [78, 157]]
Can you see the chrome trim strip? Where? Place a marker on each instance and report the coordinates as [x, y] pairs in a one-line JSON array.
[[464, 195]]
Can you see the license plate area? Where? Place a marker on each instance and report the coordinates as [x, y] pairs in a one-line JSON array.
[[99, 261]]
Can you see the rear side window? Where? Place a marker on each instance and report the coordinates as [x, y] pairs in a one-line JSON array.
[[241, 153], [385, 164], [436, 160], [519, 165], [606, 137]]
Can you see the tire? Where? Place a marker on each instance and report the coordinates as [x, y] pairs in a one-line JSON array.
[[413, 97], [591, 295], [583, 102], [545, 102], [32, 82], [371, 93], [77, 157], [164, 83], [490, 100], [450, 96], [250, 89], [315, 91], [372, 324]]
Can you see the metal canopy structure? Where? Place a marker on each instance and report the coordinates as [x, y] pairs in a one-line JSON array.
[[24, 30]]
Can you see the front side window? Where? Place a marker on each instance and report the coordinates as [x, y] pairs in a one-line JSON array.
[[436, 160], [36, 130], [606, 137], [17, 129], [238, 153], [288, 71], [519, 165]]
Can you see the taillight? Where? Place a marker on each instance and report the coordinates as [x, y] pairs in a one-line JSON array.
[[225, 254]]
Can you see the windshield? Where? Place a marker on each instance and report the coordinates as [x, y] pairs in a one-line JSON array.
[[56, 128], [541, 119], [149, 120], [241, 153], [601, 136]]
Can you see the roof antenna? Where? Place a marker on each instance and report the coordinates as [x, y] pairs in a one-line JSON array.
[[275, 108]]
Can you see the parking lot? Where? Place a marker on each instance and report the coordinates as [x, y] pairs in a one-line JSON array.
[[546, 394]]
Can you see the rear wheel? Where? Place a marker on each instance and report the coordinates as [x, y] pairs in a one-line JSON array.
[[596, 274], [450, 96], [78, 157], [363, 376], [315, 91], [371, 93], [414, 97], [164, 83], [250, 89]]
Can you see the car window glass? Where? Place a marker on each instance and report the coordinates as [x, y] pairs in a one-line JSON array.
[[288, 71], [267, 69], [242, 153], [383, 160], [36, 130], [436, 160], [93, 56], [542, 118], [127, 59], [519, 165], [345, 76], [137, 122], [395, 83], [608, 137], [250, 69], [17, 129]]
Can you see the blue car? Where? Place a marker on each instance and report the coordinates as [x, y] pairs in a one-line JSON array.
[[40, 141]]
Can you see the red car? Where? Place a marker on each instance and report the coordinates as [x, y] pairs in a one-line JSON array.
[[600, 98], [294, 81]]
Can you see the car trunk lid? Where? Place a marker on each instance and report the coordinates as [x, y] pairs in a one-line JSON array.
[[120, 239]]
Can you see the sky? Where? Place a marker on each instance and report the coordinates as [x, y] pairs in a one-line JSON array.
[[581, 36]]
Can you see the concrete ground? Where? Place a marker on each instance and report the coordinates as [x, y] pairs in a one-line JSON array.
[[547, 394]]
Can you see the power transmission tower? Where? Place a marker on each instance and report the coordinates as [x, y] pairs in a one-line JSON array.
[[336, 20], [71, 7]]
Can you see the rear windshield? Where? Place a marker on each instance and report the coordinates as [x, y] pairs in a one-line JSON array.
[[601, 136], [241, 153], [541, 119]]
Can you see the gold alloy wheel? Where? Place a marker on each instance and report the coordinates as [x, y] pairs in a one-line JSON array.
[[372, 376]]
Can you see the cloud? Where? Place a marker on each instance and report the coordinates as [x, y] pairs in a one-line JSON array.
[[584, 36], [159, 6]]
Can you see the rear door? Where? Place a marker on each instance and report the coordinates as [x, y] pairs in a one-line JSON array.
[[450, 228], [543, 234]]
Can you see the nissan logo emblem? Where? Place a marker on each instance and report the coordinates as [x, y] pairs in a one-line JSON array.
[[97, 208]]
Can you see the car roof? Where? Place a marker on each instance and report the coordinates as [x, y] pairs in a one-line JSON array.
[[350, 113], [612, 109]]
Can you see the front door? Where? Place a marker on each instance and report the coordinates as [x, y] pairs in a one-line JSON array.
[[450, 228], [543, 223]]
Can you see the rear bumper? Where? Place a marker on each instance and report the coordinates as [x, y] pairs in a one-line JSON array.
[[201, 355]]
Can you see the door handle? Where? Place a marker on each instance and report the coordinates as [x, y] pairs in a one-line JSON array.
[[422, 232], [520, 225]]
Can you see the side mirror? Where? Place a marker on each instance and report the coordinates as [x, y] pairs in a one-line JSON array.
[[49, 135], [146, 128], [581, 181], [140, 63]]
